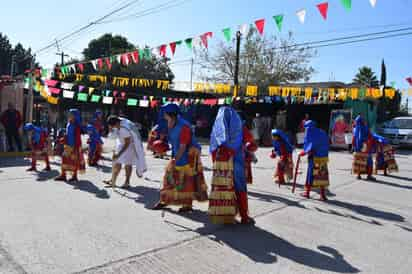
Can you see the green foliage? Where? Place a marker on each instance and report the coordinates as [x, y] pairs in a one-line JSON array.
[[366, 78], [22, 57], [263, 61], [108, 45], [383, 74]]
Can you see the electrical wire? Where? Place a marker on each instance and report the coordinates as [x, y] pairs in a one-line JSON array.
[[83, 28], [149, 11]]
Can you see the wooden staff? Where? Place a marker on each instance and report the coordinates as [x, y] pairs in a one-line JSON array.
[[296, 174]]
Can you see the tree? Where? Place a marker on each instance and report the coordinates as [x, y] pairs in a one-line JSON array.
[[366, 77], [263, 61], [21, 56], [107, 45], [383, 74]]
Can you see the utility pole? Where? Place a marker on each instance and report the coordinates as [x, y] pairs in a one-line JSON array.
[[29, 113], [236, 80], [191, 74], [62, 55], [12, 66]]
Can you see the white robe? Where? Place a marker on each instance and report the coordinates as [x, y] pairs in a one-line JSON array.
[[134, 154]]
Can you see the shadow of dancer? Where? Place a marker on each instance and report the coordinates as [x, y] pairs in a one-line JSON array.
[[89, 187], [262, 246], [47, 175], [368, 211]]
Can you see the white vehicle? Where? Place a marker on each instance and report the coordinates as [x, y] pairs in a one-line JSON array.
[[398, 131]]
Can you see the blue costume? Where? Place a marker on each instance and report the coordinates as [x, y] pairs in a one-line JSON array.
[[229, 187], [284, 149], [95, 145], [363, 147], [316, 145], [385, 155], [184, 180], [38, 145]]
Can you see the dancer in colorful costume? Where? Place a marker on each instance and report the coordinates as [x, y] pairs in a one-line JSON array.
[[59, 142], [95, 145], [157, 142], [38, 145], [250, 149], [316, 146], [284, 149], [385, 156], [98, 122], [229, 187], [183, 181], [73, 159], [363, 147]]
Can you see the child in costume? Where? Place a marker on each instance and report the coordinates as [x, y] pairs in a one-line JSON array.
[[385, 156], [284, 149], [95, 145], [73, 159], [316, 147], [38, 145]]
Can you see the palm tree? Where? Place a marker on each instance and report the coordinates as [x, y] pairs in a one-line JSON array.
[[366, 77]]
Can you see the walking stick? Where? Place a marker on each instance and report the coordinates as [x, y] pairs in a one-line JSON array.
[[296, 174]]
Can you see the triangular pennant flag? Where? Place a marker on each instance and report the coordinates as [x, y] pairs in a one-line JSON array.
[[279, 21], [100, 63], [123, 94], [108, 63], [147, 53], [347, 4], [393, 84], [189, 43], [81, 67], [409, 80], [301, 14], [260, 25], [173, 47], [135, 56], [227, 33], [124, 59], [244, 29], [119, 58], [162, 50], [178, 42], [94, 64], [72, 68], [91, 90], [373, 3], [204, 37], [323, 9]]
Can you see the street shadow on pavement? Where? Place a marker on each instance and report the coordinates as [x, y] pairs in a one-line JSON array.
[[349, 216], [272, 198], [261, 246], [87, 186], [147, 196], [392, 184], [14, 162], [46, 175], [368, 211], [401, 178]]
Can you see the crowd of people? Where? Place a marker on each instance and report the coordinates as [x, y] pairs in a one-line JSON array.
[[232, 149]]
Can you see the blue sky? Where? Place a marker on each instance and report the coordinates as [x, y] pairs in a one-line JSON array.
[[36, 23]]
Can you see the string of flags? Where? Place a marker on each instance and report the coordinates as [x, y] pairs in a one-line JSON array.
[[169, 49]]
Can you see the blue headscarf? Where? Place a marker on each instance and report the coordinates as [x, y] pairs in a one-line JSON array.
[[161, 121], [227, 130], [380, 139], [360, 133], [284, 138], [97, 114], [94, 136], [36, 135], [316, 140], [71, 127]]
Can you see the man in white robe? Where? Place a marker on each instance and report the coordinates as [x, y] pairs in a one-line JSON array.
[[129, 149]]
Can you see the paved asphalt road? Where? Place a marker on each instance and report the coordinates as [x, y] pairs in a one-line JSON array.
[[54, 227]]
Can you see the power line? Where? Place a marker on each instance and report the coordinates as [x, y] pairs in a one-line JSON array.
[[149, 11], [102, 18]]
